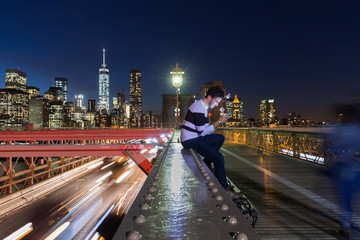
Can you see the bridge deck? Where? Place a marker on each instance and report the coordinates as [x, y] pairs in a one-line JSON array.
[[294, 199], [177, 202]]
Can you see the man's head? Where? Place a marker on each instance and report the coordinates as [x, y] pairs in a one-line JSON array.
[[214, 96]]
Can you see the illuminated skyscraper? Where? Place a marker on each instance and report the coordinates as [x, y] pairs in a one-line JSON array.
[[14, 107], [79, 101], [54, 94], [237, 112], [267, 111], [115, 103], [135, 98], [14, 99], [62, 83], [91, 105], [16, 79], [104, 101], [33, 91]]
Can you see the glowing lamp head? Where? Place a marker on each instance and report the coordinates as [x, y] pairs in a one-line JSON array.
[[177, 80]]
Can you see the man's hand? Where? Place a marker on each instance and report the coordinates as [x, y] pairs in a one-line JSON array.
[[223, 119]]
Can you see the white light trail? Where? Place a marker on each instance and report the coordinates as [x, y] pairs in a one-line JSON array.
[[95, 165], [122, 177], [98, 224], [96, 236], [58, 231], [21, 232], [94, 187], [107, 165], [103, 177]]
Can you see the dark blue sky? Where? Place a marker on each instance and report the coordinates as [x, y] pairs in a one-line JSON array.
[[305, 54]]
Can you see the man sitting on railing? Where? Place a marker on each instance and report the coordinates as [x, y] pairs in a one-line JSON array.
[[196, 134]]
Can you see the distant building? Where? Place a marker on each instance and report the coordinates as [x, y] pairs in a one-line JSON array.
[[229, 103], [56, 114], [68, 110], [39, 111], [237, 112], [115, 103], [15, 79], [102, 120], [63, 84], [79, 101], [118, 111], [267, 111], [50, 96], [91, 105], [135, 98], [53, 94], [168, 118], [122, 108], [78, 117], [14, 107], [104, 101], [150, 120], [33, 91], [89, 119]]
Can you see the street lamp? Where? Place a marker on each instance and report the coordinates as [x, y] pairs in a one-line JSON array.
[[177, 81]]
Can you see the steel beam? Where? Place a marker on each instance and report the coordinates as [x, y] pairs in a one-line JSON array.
[[10, 151], [67, 135]]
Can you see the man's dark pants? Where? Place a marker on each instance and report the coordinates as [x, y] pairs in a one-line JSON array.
[[208, 146]]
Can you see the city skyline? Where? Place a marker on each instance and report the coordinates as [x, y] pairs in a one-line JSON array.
[[304, 55]]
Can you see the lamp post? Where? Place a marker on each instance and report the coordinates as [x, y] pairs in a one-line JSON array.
[[177, 82]]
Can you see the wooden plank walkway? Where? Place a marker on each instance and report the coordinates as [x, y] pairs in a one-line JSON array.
[[294, 199]]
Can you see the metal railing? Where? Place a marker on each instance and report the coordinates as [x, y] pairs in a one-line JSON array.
[[36, 170], [27, 158], [307, 143]]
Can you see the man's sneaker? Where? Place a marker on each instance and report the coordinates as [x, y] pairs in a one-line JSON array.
[[233, 195]]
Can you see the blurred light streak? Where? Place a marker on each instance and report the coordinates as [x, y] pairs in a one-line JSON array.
[[58, 231], [96, 236], [144, 150], [73, 199], [154, 150], [304, 156], [107, 165], [95, 165], [120, 160], [131, 164], [124, 175], [94, 186], [84, 200], [98, 224], [103, 177], [21, 232], [124, 209]]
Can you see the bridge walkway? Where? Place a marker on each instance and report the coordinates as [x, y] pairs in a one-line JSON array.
[[295, 200]]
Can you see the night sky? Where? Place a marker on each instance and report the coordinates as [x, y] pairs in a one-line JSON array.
[[304, 54]]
